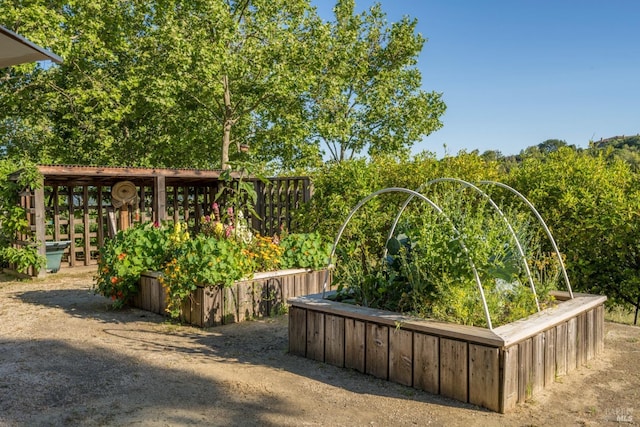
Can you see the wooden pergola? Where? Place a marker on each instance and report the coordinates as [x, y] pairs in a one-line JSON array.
[[75, 204]]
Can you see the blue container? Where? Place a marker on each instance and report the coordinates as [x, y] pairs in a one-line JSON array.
[[55, 250]]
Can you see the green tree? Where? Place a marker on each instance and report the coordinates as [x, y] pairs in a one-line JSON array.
[[155, 83], [368, 97]]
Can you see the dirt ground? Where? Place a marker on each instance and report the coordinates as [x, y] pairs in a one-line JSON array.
[[67, 359]]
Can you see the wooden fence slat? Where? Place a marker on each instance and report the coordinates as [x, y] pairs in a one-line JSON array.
[[212, 305], [298, 331], [599, 330], [245, 300], [484, 376], [581, 335], [229, 306], [590, 335], [315, 335], [561, 349], [525, 358], [510, 367], [537, 362], [454, 369], [426, 363], [154, 298], [377, 350], [572, 340], [334, 340], [401, 356], [549, 356], [354, 343]]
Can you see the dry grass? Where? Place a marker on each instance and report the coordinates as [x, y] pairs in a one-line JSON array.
[[620, 315]]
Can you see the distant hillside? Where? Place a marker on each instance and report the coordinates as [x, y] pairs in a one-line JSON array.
[[626, 148], [619, 142]]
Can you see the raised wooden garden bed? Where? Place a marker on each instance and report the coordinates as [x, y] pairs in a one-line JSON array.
[[262, 296], [495, 368]]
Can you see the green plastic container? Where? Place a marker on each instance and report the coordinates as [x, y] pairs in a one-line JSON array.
[[55, 250]]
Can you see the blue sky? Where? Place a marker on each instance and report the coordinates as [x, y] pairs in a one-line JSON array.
[[515, 73]]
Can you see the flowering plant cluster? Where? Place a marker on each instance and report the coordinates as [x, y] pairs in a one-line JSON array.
[[224, 250]]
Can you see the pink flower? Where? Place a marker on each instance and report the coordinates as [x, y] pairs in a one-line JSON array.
[[216, 211]]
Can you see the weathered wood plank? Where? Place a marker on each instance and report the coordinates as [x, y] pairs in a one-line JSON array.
[[484, 376], [71, 230], [590, 341], [229, 306], [377, 350], [354, 342], [529, 326], [315, 335], [86, 221], [426, 362], [454, 369], [462, 332], [509, 378], [401, 356], [525, 359], [277, 288], [212, 306], [561, 349], [196, 298], [549, 356], [599, 322], [581, 346], [244, 294], [572, 340], [154, 298], [334, 340], [298, 331], [537, 362]]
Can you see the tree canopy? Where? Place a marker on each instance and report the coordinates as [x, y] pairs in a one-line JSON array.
[[192, 84]]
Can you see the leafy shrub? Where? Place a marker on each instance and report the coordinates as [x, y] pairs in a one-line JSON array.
[[129, 254], [592, 204], [217, 259], [14, 219]]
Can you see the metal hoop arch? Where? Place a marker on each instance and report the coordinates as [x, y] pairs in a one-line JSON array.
[[497, 208], [437, 209], [544, 226]]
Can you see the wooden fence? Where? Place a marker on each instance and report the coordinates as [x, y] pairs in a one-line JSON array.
[[81, 211]]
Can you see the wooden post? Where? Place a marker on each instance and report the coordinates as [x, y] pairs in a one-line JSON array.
[[86, 220], [40, 226], [159, 199]]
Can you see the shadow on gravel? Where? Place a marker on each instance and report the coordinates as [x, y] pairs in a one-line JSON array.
[[263, 342], [48, 382]]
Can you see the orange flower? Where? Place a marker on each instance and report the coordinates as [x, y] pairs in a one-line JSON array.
[[114, 280], [121, 256]]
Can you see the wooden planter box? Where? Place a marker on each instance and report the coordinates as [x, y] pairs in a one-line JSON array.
[[495, 368], [262, 296]]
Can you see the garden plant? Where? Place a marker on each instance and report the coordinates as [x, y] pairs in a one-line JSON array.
[[427, 267], [219, 255]]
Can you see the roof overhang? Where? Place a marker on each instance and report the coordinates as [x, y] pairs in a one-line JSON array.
[[15, 49]]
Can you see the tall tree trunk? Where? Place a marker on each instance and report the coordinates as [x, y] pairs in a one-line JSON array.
[[228, 123]]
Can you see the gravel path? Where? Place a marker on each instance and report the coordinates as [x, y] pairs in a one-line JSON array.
[[67, 359]]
